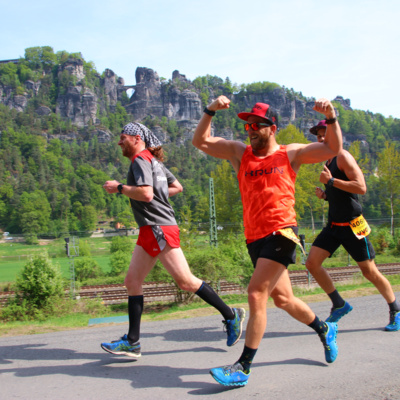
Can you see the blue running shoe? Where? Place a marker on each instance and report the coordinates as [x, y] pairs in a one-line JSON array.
[[232, 375], [328, 339], [394, 324], [123, 347], [233, 327], [337, 313]]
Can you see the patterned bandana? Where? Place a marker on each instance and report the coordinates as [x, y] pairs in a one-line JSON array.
[[136, 129]]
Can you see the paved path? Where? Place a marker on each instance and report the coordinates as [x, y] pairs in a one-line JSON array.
[[177, 355]]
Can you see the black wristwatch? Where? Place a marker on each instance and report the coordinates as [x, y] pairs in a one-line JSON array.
[[330, 121], [209, 112], [119, 187], [330, 182]]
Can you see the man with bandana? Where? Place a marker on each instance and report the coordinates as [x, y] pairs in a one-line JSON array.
[[149, 184]]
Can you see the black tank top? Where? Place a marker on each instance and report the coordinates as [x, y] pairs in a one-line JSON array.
[[343, 206]]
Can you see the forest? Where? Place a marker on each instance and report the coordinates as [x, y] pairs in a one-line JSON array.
[[49, 187]]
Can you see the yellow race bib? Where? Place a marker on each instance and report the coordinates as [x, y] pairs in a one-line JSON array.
[[288, 233], [360, 227]]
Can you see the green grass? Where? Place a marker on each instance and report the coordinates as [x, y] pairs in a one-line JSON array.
[[13, 256], [163, 310]]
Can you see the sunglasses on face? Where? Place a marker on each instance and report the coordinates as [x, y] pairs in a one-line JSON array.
[[255, 126]]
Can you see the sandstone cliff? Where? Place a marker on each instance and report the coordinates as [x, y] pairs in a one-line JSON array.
[[176, 99]]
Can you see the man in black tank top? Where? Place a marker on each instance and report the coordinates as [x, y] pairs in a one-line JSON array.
[[344, 181]]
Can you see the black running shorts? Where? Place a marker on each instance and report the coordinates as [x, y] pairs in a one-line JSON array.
[[274, 247], [331, 237]]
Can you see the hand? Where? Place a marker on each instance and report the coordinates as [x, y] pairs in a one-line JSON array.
[[325, 175], [219, 103], [111, 186], [324, 106], [320, 193]]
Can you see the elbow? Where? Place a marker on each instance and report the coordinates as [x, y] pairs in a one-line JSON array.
[[148, 196], [180, 189], [196, 142], [363, 190]]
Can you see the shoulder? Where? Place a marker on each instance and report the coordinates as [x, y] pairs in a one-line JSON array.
[[345, 158], [144, 155]]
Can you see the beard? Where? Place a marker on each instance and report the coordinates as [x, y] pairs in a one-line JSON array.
[[127, 151], [260, 143]]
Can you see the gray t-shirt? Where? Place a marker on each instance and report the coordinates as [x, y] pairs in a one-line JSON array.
[[146, 170]]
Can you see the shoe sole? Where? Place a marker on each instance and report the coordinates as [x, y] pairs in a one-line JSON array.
[[392, 330], [122, 353], [240, 327], [237, 384], [338, 319]]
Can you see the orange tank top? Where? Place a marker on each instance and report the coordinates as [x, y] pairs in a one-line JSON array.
[[267, 189]]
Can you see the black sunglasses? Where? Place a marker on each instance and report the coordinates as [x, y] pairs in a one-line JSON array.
[[255, 126]]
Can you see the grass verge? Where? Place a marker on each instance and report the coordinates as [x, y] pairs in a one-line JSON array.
[[161, 311]]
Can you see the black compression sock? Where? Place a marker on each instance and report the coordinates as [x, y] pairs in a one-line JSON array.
[[318, 325], [207, 293], [336, 299], [247, 358], [135, 309], [395, 306]]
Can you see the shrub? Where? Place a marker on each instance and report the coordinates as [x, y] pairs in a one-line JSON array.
[[119, 262], [121, 243], [39, 281], [382, 240], [84, 249], [86, 268]]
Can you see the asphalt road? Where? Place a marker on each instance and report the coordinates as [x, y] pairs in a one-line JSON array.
[[178, 354]]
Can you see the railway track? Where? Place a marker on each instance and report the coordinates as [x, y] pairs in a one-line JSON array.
[[116, 294]]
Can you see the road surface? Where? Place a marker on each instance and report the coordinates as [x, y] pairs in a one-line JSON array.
[[178, 354]]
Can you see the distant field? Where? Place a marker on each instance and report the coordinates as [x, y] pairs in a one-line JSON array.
[[13, 256]]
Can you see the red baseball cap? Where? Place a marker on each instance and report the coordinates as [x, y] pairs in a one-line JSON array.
[[261, 110], [321, 125]]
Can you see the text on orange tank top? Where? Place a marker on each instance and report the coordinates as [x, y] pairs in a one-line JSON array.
[[267, 188]]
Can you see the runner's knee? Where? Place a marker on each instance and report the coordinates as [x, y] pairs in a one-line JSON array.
[[188, 284], [312, 265], [282, 301]]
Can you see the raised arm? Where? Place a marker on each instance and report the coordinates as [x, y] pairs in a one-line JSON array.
[[317, 152], [216, 146]]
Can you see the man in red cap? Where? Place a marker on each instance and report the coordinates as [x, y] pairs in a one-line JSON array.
[[266, 173], [344, 181]]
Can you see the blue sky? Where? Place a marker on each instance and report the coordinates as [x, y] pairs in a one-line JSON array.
[[322, 49]]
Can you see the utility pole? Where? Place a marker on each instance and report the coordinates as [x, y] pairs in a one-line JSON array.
[[72, 250], [213, 217]]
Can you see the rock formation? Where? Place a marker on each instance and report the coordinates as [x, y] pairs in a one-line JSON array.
[[176, 99]]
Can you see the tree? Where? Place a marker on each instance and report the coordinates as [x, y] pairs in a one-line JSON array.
[[228, 205], [89, 218], [127, 219], [355, 151], [389, 178], [34, 213]]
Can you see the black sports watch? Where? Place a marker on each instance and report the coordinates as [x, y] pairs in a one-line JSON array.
[[330, 182], [119, 187]]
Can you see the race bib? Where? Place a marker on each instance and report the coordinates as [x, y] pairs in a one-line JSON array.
[[289, 234], [360, 227]]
